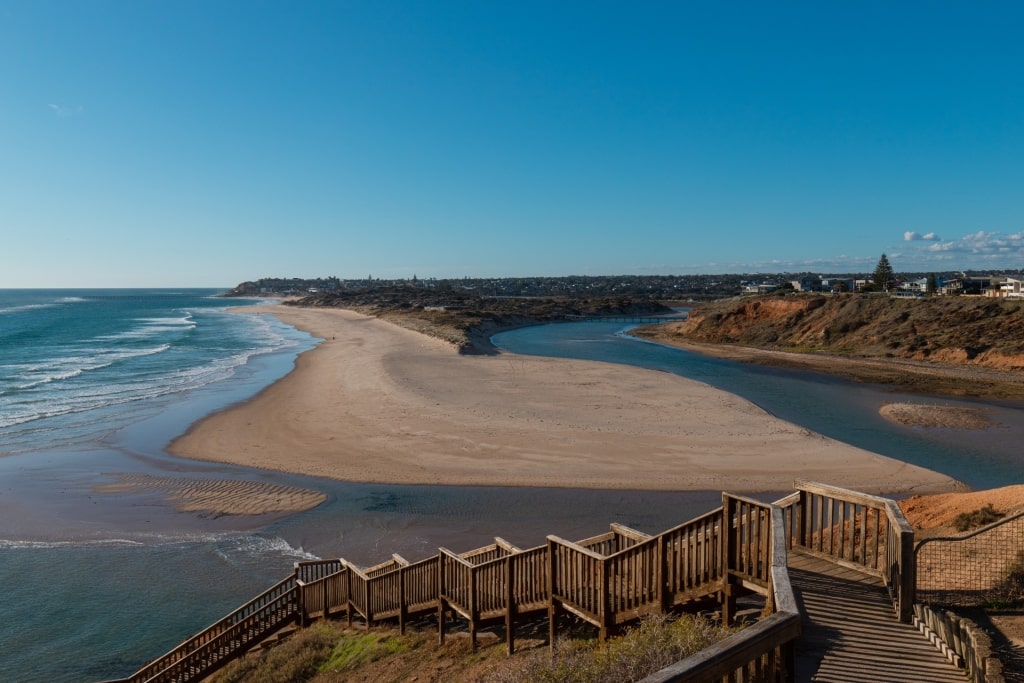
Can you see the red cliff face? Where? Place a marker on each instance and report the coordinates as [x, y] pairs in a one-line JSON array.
[[958, 330]]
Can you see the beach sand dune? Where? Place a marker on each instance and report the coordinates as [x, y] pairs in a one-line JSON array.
[[378, 403]]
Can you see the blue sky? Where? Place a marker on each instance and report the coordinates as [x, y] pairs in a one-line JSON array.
[[208, 142]]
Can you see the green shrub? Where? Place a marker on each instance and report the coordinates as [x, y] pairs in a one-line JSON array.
[[970, 520]]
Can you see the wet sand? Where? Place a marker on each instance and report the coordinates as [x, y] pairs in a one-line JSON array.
[[216, 497], [937, 416], [378, 403]]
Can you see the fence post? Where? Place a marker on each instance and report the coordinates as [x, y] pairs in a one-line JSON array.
[[440, 597], [552, 605], [348, 595], [473, 614], [603, 608], [803, 519], [728, 551], [908, 575], [510, 604], [662, 570], [403, 609]]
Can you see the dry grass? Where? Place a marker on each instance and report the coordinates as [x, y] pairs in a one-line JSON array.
[[329, 653], [652, 645]]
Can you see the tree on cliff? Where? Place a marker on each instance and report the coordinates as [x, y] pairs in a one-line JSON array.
[[883, 277]]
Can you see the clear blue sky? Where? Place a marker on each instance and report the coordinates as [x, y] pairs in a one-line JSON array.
[[208, 142]]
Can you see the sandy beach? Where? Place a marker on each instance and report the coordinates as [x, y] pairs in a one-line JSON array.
[[378, 403]]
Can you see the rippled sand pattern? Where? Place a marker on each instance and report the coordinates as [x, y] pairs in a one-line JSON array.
[[216, 497]]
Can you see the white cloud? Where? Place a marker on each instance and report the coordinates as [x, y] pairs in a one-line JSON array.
[[988, 249], [62, 111], [911, 236]]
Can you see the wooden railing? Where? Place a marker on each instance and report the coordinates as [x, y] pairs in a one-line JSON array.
[[608, 580], [864, 532], [765, 650], [211, 648]]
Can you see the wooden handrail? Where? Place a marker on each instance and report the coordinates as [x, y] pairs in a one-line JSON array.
[[744, 542], [830, 491], [576, 547], [186, 647], [629, 533]]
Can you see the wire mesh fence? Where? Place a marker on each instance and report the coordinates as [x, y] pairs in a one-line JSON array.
[[985, 567]]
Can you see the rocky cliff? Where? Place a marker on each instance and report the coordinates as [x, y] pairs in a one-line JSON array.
[[956, 330]]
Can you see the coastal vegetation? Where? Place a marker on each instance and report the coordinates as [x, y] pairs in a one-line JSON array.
[[328, 652], [986, 514]]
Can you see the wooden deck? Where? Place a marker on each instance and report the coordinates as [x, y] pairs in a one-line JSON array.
[[850, 634]]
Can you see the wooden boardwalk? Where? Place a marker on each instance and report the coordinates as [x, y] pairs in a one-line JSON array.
[[855, 628], [850, 634]]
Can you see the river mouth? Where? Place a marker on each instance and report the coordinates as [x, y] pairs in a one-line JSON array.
[[833, 406]]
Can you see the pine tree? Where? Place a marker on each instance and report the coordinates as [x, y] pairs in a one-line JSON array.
[[883, 277]]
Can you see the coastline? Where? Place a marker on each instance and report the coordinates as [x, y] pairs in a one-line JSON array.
[[378, 403]]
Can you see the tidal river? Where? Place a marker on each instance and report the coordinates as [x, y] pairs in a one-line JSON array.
[[835, 407], [94, 587]]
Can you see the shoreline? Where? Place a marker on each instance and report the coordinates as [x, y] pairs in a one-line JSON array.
[[378, 403]]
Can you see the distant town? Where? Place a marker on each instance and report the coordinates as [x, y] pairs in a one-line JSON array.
[[1004, 284]]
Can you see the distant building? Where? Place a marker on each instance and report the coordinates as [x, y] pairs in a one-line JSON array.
[[764, 288], [807, 283], [1010, 288]]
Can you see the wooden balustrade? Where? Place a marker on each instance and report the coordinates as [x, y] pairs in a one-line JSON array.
[[692, 557], [864, 532], [312, 570], [214, 646], [608, 580], [765, 650]]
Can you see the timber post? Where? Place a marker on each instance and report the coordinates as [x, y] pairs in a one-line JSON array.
[[510, 605], [728, 552], [552, 606], [403, 609], [440, 597], [348, 596]]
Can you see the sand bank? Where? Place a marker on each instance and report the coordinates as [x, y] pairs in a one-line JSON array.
[[933, 416], [378, 403], [217, 497]]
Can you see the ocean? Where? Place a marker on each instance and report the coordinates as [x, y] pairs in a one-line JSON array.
[[94, 383]]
